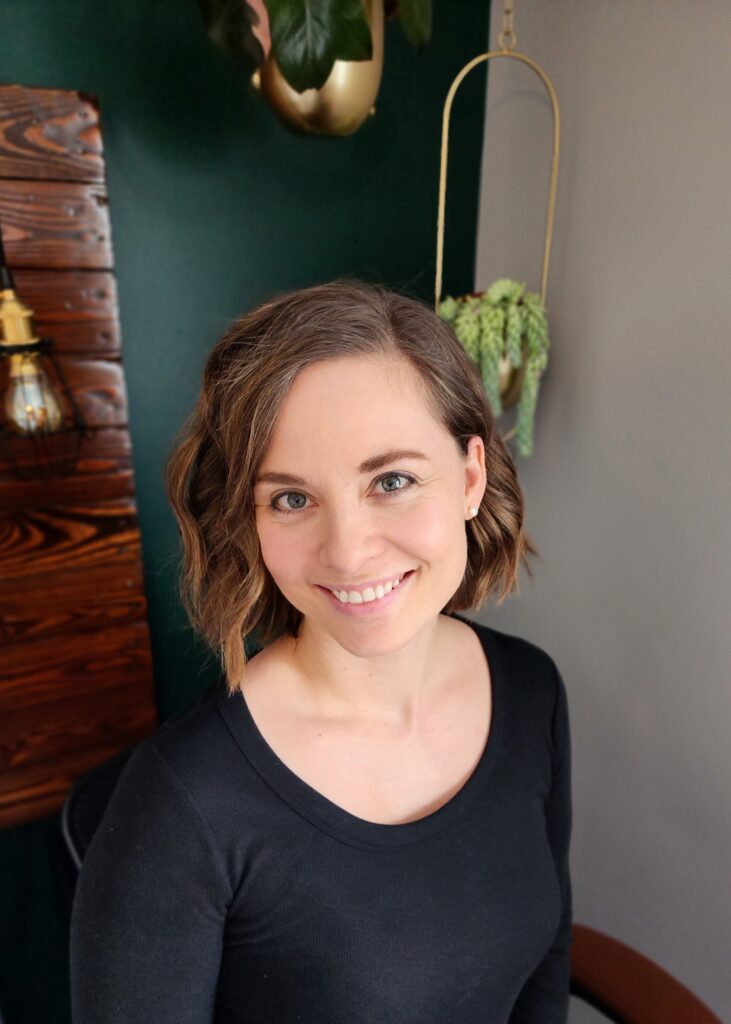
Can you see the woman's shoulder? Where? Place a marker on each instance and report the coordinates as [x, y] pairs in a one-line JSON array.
[[532, 694], [195, 745], [528, 671], [521, 657]]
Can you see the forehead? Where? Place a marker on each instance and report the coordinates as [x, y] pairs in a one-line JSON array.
[[352, 406]]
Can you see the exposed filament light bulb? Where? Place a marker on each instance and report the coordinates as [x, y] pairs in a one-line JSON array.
[[31, 404]]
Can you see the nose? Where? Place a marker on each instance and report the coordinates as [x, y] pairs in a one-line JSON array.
[[350, 540]]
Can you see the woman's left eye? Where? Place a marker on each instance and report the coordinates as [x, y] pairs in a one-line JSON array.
[[396, 476]]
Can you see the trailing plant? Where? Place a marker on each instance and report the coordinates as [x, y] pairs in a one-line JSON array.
[[307, 36], [507, 322]]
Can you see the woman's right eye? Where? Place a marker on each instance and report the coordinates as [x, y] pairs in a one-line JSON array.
[[298, 498]]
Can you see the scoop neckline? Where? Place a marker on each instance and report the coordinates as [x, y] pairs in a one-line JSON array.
[[333, 819]]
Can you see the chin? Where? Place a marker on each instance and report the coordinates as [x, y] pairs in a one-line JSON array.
[[369, 647]]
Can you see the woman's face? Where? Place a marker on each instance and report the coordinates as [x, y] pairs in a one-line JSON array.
[[361, 487]]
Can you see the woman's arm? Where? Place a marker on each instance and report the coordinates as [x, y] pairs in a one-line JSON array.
[[150, 906], [544, 999]]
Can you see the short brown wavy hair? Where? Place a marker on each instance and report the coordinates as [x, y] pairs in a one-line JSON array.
[[226, 589]]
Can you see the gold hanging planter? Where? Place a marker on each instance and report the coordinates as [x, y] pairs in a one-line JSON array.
[[511, 377], [346, 99]]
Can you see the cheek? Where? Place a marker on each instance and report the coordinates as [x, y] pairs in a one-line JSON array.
[[433, 531], [282, 551]]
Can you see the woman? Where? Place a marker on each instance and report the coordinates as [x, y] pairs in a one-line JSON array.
[[370, 821]]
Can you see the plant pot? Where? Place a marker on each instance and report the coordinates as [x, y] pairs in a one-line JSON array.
[[510, 377], [346, 99]]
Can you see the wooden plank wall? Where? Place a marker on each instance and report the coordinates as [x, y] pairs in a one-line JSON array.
[[75, 668]]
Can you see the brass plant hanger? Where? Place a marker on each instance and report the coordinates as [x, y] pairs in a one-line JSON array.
[[507, 41]]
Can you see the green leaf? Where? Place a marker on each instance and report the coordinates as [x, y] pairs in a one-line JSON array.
[[229, 25], [416, 19], [467, 328], [504, 290], [354, 40], [308, 36], [513, 334]]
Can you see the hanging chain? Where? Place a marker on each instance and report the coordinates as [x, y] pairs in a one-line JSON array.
[[507, 38]]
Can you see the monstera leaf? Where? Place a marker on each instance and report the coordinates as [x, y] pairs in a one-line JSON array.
[[307, 36]]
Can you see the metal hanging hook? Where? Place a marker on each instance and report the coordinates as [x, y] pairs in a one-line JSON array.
[[506, 41]]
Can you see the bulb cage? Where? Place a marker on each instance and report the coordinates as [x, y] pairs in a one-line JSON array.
[[43, 450]]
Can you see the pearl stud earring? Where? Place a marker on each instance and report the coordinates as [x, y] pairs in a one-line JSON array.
[[473, 512]]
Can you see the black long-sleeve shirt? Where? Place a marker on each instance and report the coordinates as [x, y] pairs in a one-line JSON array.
[[220, 888]]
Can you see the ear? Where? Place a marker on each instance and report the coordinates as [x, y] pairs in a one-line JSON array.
[[474, 471]]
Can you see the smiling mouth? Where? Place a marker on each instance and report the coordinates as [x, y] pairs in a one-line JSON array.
[[368, 594]]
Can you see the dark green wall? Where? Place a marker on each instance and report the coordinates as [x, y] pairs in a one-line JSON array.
[[214, 206]]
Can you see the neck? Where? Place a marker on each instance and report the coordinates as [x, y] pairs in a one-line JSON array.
[[388, 689]]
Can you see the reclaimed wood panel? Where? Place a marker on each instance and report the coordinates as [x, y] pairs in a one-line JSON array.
[[50, 134], [75, 663], [50, 539], [100, 451], [39, 787], [55, 726], [68, 296], [44, 732], [54, 223], [99, 390], [71, 664], [82, 337], [77, 488], [103, 472], [75, 602], [73, 714]]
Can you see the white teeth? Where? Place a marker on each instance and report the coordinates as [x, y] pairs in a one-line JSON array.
[[369, 594]]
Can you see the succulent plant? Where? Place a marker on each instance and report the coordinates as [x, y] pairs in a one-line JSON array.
[[504, 322]]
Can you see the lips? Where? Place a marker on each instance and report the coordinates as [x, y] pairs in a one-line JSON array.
[[360, 588], [366, 594], [367, 608]]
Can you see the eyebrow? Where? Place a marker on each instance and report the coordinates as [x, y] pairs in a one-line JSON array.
[[369, 466]]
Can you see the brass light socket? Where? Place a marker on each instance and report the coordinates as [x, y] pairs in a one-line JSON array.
[[16, 320]]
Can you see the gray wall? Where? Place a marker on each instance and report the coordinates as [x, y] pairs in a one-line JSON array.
[[628, 492]]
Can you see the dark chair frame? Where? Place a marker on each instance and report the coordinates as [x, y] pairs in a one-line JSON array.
[[86, 803]]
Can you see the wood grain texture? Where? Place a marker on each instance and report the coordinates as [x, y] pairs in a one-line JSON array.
[[97, 598], [87, 337], [59, 741], [83, 663], [103, 472], [55, 224], [75, 664], [42, 541], [99, 390], [50, 134], [68, 296]]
